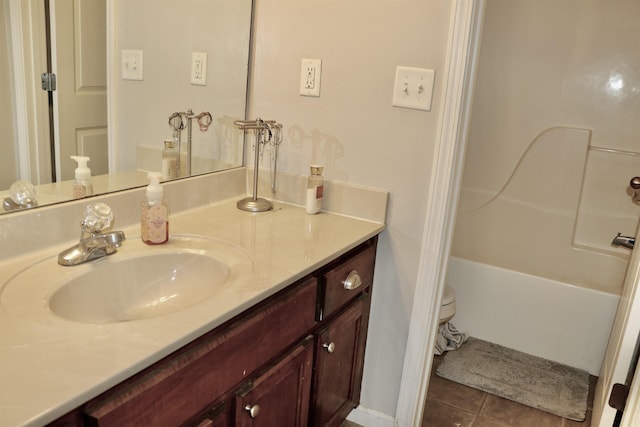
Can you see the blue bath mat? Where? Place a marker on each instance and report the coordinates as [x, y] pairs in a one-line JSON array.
[[539, 383]]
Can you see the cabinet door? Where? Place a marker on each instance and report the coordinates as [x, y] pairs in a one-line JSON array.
[[280, 396], [339, 362]]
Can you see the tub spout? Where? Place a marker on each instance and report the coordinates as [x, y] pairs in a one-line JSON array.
[[625, 241]]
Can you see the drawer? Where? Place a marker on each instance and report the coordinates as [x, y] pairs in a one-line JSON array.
[[336, 285], [184, 384]]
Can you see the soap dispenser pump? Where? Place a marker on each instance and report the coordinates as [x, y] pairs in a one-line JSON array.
[[154, 216], [82, 186]]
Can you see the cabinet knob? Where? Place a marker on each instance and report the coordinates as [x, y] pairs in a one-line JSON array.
[[352, 281], [253, 410], [331, 347]]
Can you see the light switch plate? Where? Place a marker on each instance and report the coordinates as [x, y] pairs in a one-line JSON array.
[[131, 62], [413, 88]]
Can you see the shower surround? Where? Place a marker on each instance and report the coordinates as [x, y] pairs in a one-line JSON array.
[[552, 147]]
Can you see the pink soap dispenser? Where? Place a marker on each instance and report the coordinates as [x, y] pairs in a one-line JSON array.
[[154, 213]]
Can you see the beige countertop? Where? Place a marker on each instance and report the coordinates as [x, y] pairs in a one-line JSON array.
[[49, 365]]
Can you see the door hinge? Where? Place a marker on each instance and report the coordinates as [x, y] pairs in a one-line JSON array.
[[618, 397], [48, 81]]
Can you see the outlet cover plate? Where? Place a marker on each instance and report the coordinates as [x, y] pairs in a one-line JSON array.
[[199, 68], [413, 88], [310, 73]]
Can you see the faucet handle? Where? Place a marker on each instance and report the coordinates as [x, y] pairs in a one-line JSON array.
[[97, 217], [23, 193], [634, 183]]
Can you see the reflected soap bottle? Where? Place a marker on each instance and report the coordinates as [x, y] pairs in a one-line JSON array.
[[82, 186], [169, 160], [310, 237]]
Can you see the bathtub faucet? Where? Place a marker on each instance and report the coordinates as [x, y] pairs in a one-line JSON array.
[[625, 241]]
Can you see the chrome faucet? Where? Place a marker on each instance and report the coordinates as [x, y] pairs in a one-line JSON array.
[[625, 241], [22, 195], [93, 244]]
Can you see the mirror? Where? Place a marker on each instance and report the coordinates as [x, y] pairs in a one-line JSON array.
[[161, 58]]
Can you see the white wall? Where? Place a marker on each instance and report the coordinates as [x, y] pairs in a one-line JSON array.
[[355, 132]]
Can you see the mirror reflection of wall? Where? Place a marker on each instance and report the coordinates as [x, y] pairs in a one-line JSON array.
[[167, 42], [8, 172], [167, 34]]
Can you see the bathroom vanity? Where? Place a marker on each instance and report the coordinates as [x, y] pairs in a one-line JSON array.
[[283, 344], [294, 359]]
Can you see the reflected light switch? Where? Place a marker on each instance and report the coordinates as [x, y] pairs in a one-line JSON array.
[[131, 62], [413, 88]]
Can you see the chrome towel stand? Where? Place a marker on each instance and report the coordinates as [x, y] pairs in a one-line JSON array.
[[262, 128]]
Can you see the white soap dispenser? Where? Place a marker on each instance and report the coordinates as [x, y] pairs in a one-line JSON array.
[[82, 186], [154, 213], [315, 190], [170, 160]]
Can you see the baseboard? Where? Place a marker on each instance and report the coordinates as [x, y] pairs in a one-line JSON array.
[[369, 418]]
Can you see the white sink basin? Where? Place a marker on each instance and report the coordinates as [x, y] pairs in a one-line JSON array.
[[137, 282], [140, 287]]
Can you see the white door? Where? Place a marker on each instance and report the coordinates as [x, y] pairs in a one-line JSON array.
[[79, 49], [622, 343]]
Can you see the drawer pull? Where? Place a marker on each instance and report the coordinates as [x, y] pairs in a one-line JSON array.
[[331, 347], [352, 281], [253, 410]]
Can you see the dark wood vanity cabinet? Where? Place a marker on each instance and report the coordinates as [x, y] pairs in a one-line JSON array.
[[280, 395], [218, 416], [338, 365], [295, 359], [275, 396]]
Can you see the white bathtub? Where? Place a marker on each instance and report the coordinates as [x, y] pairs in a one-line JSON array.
[[546, 318]]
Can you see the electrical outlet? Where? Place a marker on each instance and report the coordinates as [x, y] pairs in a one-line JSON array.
[[310, 73], [199, 68], [131, 64], [413, 88], [310, 76]]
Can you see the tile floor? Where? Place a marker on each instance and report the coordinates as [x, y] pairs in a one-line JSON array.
[[456, 405], [450, 404]]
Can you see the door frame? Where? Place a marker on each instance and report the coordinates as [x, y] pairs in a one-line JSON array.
[[17, 55], [631, 414], [28, 57], [444, 188], [463, 45], [113, 60]]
